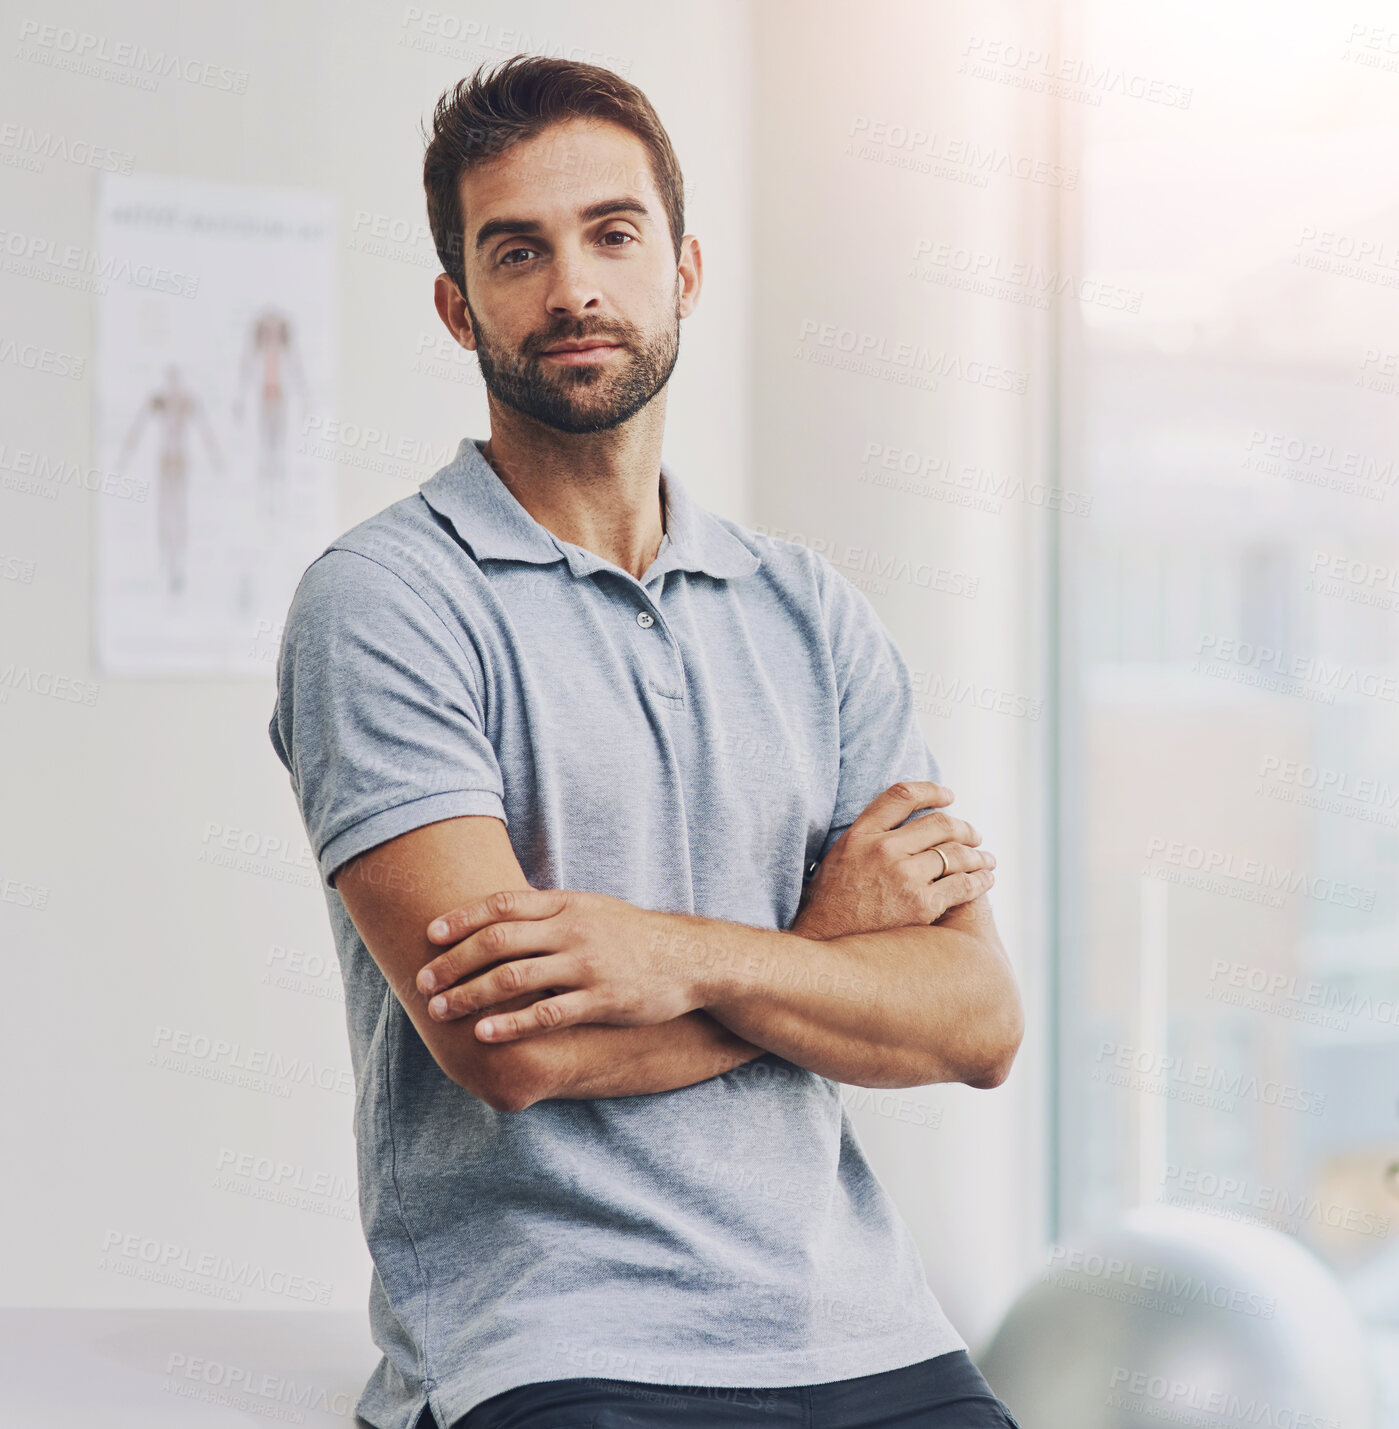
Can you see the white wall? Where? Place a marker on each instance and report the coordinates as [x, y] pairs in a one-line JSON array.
[[106, 808]]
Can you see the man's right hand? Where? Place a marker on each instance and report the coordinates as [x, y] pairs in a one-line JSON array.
[[879, 875]]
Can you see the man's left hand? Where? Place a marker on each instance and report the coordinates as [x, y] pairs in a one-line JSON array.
[[608, 960]]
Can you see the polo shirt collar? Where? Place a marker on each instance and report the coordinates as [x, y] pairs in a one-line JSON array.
[[493, 524]]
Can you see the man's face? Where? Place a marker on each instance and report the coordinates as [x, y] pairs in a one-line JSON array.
[[542, 270]]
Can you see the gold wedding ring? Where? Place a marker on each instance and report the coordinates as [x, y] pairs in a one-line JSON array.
[[937, 849]]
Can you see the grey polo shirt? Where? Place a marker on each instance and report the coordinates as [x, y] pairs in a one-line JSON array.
[[692, 742]]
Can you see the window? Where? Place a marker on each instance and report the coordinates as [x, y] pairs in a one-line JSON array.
[[1230, 690]]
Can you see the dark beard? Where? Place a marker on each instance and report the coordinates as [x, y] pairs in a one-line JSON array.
[[551, 396]]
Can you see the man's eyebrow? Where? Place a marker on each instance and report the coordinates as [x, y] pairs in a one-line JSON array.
[[498, 226]]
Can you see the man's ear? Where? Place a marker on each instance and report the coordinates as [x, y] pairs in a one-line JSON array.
[[451, 308]]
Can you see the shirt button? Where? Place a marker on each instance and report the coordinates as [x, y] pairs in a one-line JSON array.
[[645, 619]]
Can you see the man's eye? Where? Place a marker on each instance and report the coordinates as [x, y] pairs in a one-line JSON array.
[[505, 256], [619, 233]]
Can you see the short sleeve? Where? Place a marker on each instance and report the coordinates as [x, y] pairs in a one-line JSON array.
[[880, 738], [378, 718]]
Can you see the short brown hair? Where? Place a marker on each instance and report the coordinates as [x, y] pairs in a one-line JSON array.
[[478, 118]]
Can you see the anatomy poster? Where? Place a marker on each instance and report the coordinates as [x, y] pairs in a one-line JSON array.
[[215, 344]]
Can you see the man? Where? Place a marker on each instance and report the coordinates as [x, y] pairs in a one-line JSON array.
[[565, 744]]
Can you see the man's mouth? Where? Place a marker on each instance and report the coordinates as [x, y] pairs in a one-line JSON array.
[[589, 350]]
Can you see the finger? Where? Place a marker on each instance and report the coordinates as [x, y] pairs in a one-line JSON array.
[[960, 859], [959, 888], [493, 943], [503, 982], [938, 827], [504, 903], [889, 809], [547, 1016]]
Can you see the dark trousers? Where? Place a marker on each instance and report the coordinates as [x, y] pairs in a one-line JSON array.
[[946, 1392]]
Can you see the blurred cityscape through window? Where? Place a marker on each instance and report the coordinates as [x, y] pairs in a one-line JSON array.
[[1230, 981]]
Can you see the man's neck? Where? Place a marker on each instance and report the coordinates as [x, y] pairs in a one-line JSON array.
[[600, 491]]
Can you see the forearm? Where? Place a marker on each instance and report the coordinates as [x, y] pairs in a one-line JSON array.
[[895, 1008], [902, 1006], [597, 1060]]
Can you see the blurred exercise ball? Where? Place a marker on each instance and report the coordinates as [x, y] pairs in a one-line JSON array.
[[1173, 1316]]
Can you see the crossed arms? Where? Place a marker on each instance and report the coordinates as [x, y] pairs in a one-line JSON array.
[[890, 976]]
